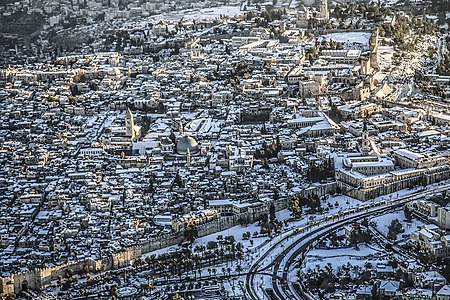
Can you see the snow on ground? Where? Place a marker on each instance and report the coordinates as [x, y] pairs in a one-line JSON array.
[[338, 257], [346, 202], [346, 251], [293, 4], [384, 221], [388, 2], [282, 215], [343, 203], [237, 232], [415, 60], [195, 14], [349, 38], [385, 54]]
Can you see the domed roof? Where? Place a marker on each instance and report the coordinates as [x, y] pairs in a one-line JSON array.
[[166, 142], [185, 143], [113, 71]]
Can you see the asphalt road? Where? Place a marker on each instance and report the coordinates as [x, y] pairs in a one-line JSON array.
[[304, 238]]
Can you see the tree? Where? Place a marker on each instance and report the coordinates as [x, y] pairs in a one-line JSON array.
[[178, 181], [408, 214], [272, 212], [172, 138], [375, 293], [276, 194], [265, 225], [239, 269], [394, 228], [74, 90], [190, 232], [211, 245], [176, 297], [230, 239], [334, 240], [445, 271], [318, 171], [219, 238], [295, 206]]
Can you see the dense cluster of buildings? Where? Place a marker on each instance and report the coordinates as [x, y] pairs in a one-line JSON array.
[[86, 12], [175, 125]]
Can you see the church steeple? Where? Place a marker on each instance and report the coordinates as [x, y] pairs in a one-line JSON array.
[[129, 124], [181, 128], [324, 13], [365, 143]]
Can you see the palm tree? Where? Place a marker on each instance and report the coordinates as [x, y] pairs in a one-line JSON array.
[[149, 277], [114, 290], [176, 297], [220, 240], [239, 269], [239, 256]]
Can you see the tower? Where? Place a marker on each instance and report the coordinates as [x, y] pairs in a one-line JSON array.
[[229, 151], [365, 143], [129, 124], [374, 42], [181, 128], [374, 39], [303, 17], [188, 157], [324, 14]]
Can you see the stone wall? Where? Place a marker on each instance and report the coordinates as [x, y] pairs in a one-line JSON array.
[[40, 278], [217, 225], [125, 257], [319, 190]]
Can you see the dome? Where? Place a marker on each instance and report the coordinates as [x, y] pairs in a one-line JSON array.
[[166, 142], [113, 71], [187, 143]]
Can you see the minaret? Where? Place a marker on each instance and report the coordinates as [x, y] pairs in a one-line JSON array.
[[129, 124], [180, 125], [188, 157], [365, 144]]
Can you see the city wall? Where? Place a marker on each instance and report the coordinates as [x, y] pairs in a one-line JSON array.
[[40, 278]]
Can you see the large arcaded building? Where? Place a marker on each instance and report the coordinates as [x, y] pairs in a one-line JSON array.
[[365, 177]]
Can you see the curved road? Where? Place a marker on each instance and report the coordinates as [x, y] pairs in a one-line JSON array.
[[305, 238]]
